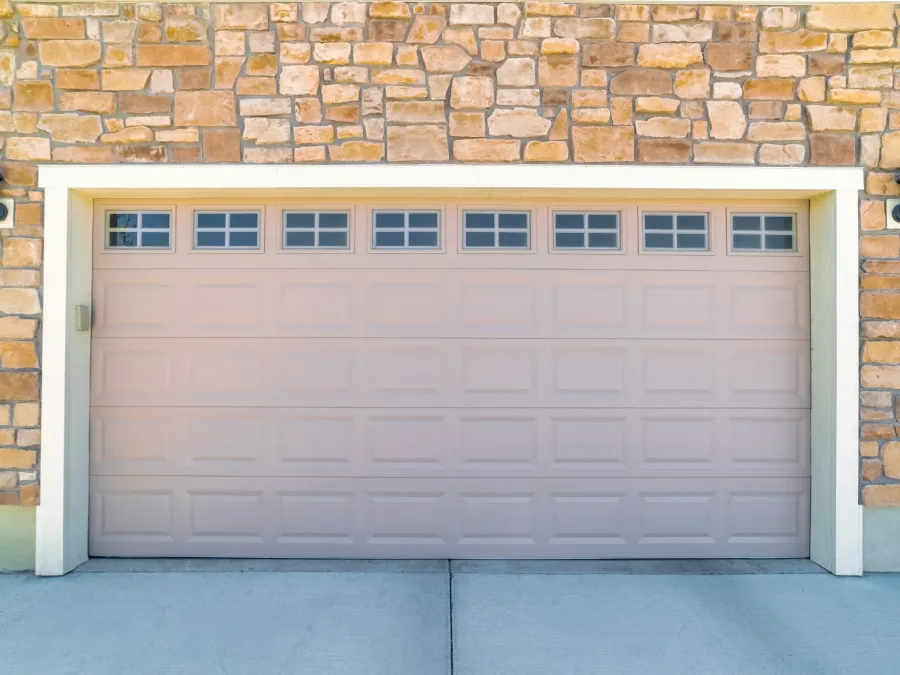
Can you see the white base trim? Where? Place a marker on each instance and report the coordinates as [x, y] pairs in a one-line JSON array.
[[836, 522]]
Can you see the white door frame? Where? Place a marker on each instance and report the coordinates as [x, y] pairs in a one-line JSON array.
[[836, 516]]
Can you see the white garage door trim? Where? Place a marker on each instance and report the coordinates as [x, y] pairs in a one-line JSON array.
[[836, 527]]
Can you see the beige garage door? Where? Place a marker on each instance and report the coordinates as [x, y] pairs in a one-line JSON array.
[[446, 379]]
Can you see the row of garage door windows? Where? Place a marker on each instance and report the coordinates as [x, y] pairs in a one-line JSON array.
[[421, 230]]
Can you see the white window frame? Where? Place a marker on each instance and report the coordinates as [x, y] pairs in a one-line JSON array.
[[496, 248], [348, 230], [836, 532], [761, 232], [707, 231], [620, 239], [107, 230], [439, 230], [195, 217]]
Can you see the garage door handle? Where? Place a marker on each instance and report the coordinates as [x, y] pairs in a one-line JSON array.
[[82, 317]]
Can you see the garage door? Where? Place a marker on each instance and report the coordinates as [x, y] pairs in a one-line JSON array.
[[465, 379]]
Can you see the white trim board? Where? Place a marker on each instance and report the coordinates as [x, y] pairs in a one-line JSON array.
[[836, 521]]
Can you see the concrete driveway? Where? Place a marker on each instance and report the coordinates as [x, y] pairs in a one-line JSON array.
[[346, 618]]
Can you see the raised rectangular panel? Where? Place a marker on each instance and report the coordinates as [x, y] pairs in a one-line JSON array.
[[314, 517], [763, 438], [676, 518], [770, 370], [766, 516], [588, 441], [676, 307], [316, 306], [130, 435], [225, 372], [136, 514], [498, 369], [414, 441], [487, 517], [128, 374], [226, 515], [769, 310], [675, 372], [315, 368], [406, 368], [406, 306], [135, 308], [598, 306], [315, 439], [222, 306], [678, 439], [588, 518], [406, 517], [496, 305], [588, 370], [224, 437], [498, 441]]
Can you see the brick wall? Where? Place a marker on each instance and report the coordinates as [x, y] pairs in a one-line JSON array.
[[407, 82]]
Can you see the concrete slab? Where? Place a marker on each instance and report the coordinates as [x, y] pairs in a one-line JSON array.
[[622, 624], [226, 623]]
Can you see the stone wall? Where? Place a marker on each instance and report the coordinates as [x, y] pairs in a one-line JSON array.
[[407, 82]]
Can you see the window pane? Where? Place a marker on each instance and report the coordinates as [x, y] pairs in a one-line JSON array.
[[155, 221], [388, 239], [479, 220], [655, 221], [332, 239], [569, 240], [479, 239], [423, 239], [122, 239], [691, 222], [745, 223], [423, 220], [780, 242], [779, 223], [603, 240], [244, 239], [205, 220], [388, 220], [570, 221], [333, 220], [656, 240], [513, 221], [211, 239], [746, 242], [300, 239], [692, 241], [243, 220], [602, 221], [300, 220], [155, 239], [513, 240], [123, 220]]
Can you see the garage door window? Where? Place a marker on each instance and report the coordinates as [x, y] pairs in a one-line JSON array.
[[138, 229], [676, 232], [406, 229], [496, 229], [586, 231], [763, 232], [226, 229], [314, 229]]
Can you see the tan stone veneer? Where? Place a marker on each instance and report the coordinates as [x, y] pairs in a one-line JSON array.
[[476, 82]]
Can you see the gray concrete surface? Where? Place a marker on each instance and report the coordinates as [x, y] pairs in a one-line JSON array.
[[180, 617]]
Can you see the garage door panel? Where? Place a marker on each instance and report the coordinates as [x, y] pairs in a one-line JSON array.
[[413, 303], [449, 442], [515, 518], [427, 372]]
